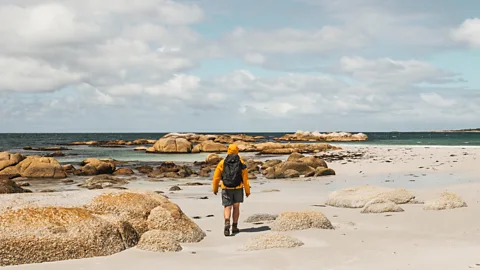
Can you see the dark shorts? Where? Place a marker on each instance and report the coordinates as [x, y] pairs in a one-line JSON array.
[[232, 196]]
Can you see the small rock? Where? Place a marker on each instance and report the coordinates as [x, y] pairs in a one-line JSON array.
[[175, 188], [47, 191], [194, 184]]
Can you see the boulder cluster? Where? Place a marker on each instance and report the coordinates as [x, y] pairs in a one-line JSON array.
[[297, 165], [108, 224], [374, 199], [193, 143], [30, 166], [316, 136]]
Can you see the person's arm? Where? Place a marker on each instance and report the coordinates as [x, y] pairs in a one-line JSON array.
[[217, 176], [246, 183]]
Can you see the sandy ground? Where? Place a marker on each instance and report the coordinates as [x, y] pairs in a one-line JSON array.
[[414, 239]]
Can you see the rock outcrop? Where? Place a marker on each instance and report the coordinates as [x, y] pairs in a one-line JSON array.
[[38, 228], [296, 166], [213, 159], [169, 217], [134, 207], [223, 138], [47, 234], [172, 145], [123, 171], [93, 166], [8, 186], [293, 221], [36, 167], [381, 205], [447, 200], [289, 148], [272, 240], [323, 137], [159, 241], [169, 169], [210, 146], [358, 197], [7, 159], [144, 169]]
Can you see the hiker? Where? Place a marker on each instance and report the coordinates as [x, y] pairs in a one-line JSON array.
[[233, 173]]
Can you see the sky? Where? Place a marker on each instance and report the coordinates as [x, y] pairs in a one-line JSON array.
[[239, 66]]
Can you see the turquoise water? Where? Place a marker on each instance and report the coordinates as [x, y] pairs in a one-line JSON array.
[[16, 142]]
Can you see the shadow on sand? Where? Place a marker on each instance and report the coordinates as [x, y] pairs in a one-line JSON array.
[[257, 229]]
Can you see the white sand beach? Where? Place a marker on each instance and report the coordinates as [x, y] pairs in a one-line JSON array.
[[413, 239]]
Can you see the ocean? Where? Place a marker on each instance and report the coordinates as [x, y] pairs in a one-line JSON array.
[[15, 142]]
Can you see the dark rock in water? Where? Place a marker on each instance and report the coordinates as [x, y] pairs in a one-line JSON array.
[[8, 186], [168, 166], [55, 154], [159, 192], [144, 169], [123, 171], [175, 188], [47, 149], [203, 198]]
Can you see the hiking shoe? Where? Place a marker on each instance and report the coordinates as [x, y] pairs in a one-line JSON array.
[[226, 231], [235, 229]]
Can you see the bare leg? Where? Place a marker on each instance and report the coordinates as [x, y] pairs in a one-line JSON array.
[[236, 212], [236, 215], [227, 212]]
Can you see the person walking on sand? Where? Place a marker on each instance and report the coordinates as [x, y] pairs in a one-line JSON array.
[[233, 174]]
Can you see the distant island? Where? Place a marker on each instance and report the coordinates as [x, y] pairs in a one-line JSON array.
[[460, 130]]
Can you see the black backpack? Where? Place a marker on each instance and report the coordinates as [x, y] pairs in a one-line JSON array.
[[232, 171]]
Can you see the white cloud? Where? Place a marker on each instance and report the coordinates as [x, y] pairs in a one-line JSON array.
[[435, 99], [468, 32], [394, 73], [181, 86], [31, 75]]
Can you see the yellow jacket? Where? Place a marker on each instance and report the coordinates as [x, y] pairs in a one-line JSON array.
[[217, 176]]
